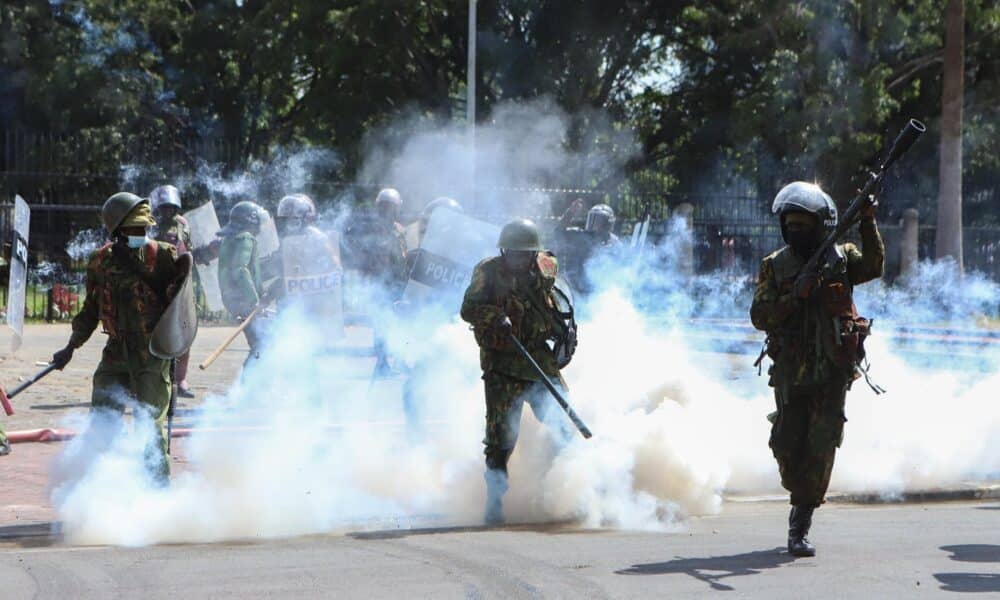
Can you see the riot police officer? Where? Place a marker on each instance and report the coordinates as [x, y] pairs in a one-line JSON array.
[[815, 340]]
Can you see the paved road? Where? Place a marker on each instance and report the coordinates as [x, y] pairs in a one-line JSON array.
[[885, 551]]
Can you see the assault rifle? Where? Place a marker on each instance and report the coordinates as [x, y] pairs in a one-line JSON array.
[[913, 130]]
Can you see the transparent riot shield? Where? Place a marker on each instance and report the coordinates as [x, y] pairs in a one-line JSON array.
[[204, 224], [442, 266], [313, 278], [18, 271]]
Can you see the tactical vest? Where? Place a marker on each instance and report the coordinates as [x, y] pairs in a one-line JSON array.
[[525, 306], [145, 300], [826, 331]]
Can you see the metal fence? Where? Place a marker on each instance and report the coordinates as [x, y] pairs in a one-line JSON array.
[[64, 178]]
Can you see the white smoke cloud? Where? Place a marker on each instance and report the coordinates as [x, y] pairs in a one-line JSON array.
[[675, 427]]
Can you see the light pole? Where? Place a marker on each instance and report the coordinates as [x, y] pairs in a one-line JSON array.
[[470, 100]]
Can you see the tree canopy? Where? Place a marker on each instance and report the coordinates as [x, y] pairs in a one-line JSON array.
[[712, 92]]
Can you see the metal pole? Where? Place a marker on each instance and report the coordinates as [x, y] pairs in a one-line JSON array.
[[470, 101]]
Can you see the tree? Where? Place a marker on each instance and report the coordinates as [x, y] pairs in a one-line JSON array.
[[948, 238]]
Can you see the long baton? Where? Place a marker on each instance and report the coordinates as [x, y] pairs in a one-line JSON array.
[[584, 430], [218, 351], [5, 397]]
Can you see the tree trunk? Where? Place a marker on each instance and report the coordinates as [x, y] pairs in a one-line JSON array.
[[949, 206]]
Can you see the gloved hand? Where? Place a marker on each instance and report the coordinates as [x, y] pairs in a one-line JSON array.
[[869, 209], [61, 358], [806, 285]]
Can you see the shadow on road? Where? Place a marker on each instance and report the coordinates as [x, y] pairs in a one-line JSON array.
[[713, 569], [393, 534], [974, 552], [30, 536], [971, 582]]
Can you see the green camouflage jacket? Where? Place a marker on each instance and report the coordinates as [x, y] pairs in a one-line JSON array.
[[239, 273], [802, 334], [526, 300], [126, 294], [176, 232]]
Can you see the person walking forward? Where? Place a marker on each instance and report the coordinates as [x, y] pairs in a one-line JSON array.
[[815, 340]]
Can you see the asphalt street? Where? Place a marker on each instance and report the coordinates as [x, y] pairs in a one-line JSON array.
[[869, 551]]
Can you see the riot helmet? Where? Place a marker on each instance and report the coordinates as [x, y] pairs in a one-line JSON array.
[[805, 198], [125, 209], [600, 219], [244, 216], [520, 234], [165, 196], [295, 213], [440, 202], [388, 204]]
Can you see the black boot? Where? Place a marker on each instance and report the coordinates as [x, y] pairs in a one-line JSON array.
[[799, 522]]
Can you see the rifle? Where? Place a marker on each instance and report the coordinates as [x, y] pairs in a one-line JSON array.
[[584, 431], [5, 397], [913, 130]]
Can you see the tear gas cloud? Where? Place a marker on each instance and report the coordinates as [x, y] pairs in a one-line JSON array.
[[676, 424]]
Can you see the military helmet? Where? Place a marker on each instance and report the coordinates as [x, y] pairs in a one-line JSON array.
[[389, 196], [165, 195], [296, 205], [600, 214], [520, 234], [244, 216], [801, 196], [440, 202], [117, 208]]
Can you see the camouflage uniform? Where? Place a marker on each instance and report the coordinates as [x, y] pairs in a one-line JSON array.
[[387, 260], [814, 345], [508, 377], [127, 293], [240, 285], [4, 443]]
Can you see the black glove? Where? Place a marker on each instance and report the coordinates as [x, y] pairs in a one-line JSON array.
[[61, 358]]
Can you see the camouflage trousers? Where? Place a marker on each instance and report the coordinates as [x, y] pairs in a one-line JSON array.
[[123, 377], [805, 436], [3, 436], [505, 398]]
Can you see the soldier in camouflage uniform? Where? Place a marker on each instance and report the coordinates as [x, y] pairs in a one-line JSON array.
[[130, 282], [815, 339], [512, 293], [172, 228], [239, 271]]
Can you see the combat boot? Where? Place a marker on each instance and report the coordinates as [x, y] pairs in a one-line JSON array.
[[4, 447], [496, 487], [799, 522]]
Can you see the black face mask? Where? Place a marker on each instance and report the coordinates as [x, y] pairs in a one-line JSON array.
[[518, 261], [803, 243]]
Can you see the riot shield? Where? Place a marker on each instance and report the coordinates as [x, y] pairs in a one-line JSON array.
[[313, 277], [204, 224], [267, 239], [452, 246], [18, 271], [175, 331]]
